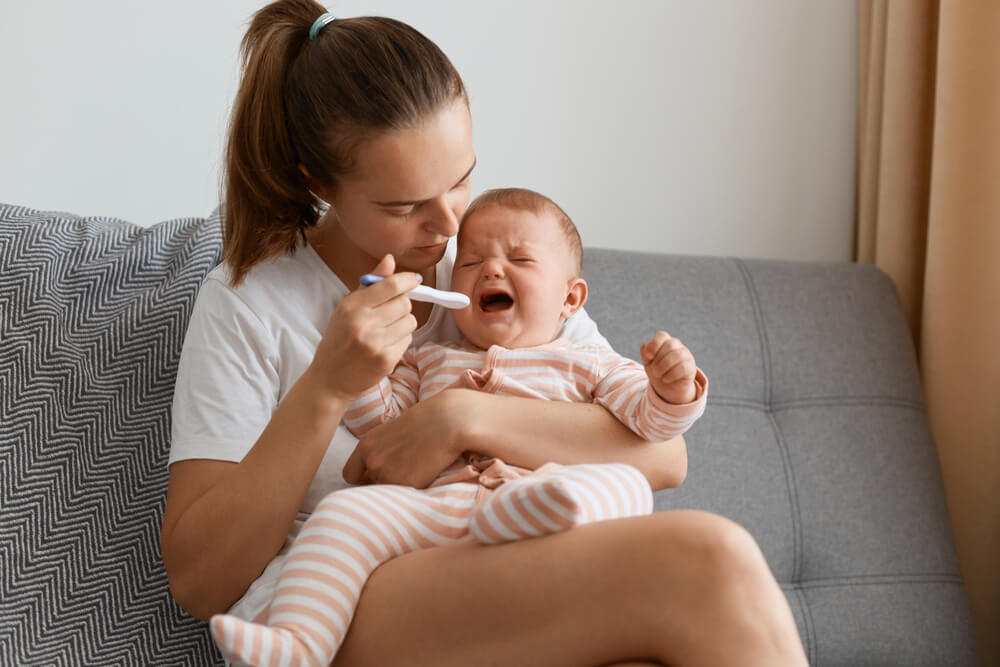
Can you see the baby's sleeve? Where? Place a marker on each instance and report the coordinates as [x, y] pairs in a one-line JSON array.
[[625, 391], [392, 396]]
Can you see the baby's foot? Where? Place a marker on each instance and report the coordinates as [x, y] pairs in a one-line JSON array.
[[568, 496]]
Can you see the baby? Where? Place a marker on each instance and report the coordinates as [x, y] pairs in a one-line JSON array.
[[519, 261]]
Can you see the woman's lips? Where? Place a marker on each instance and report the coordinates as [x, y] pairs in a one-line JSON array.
[[437, 247]]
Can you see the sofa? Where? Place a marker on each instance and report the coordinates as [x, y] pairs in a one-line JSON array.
[[815, 439]]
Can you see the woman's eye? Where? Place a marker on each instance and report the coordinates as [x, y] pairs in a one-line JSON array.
[[403, 211], [522, 260]]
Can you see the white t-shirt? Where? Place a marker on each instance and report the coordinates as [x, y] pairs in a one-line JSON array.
[[246, 347]]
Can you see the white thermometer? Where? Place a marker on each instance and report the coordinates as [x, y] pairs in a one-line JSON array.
[[424, 293]]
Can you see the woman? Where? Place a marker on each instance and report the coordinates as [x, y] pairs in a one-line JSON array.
[[368, 115]]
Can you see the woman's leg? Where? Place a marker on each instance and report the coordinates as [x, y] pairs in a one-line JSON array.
[[679, 588], [349, 534]]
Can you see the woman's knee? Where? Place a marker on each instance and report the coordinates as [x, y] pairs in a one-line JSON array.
[[726, 583], [716, 550], [727, 544]]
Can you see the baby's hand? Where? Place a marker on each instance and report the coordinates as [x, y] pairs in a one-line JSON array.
[[670, 367]]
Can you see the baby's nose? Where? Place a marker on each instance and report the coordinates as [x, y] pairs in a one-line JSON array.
[[492, 269]]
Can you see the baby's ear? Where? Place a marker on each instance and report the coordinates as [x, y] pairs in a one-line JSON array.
[[576, 296]]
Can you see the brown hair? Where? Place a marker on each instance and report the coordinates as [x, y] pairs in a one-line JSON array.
[[311, 102], [522, 199]]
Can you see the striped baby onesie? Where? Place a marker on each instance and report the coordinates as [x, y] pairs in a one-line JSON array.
[[353, 531], [556, 371]]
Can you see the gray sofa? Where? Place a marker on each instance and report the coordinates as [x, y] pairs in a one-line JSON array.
[[815, 439]]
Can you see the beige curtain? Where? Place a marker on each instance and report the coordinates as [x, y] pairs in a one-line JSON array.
[[928, 214]]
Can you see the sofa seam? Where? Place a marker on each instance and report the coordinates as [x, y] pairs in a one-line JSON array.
[[789, 470], [811, 641], [881, 580], [837, 401], [758, 317], [786, 460], [786, 463]]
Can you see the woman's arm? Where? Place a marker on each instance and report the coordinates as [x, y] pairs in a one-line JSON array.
[[527, 432], [224, 521]]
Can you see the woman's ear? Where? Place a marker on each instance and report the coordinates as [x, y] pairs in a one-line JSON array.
[[307, 177], [313, 185], [576, 296]]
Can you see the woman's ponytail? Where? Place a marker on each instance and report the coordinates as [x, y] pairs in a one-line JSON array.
[[266, 201], [305, 102]]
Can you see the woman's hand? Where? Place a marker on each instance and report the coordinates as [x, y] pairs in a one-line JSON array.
[[367, 335], [414, 448]]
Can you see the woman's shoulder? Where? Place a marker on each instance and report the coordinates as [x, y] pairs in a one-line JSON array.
[[297, 280]]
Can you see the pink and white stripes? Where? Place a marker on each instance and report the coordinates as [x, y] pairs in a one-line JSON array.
[[556, 371], [569, 496], [355, 530]]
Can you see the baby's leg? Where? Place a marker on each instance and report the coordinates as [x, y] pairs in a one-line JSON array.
[[567, 496], [350, 534]]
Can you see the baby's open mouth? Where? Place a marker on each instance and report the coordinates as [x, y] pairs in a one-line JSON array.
[[494, 301]]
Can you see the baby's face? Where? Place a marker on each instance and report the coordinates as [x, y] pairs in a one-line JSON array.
[[515, 267]]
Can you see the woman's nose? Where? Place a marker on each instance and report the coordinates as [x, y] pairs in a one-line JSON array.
[[443, 219]]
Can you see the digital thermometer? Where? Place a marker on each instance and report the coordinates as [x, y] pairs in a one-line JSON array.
[[424, 293]]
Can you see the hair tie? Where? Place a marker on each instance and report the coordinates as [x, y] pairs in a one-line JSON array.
[[319, 23]]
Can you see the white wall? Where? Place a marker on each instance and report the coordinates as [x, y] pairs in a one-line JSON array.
[[720, 127]]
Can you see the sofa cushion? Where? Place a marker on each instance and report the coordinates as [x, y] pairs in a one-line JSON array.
[[92, 316], [815, 439]]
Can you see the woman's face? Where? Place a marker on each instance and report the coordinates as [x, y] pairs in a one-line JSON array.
[[406, 193]]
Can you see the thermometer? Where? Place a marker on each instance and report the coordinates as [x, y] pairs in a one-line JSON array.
[[424, 293]]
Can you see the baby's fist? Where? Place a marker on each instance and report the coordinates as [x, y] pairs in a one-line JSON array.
[[671, 368]]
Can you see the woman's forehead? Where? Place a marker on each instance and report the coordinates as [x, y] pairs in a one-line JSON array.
[[419, 162]]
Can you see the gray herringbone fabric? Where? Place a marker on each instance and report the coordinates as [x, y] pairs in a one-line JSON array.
[[92, 317]]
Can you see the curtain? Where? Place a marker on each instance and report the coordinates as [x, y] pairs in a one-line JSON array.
[[928, 214]]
